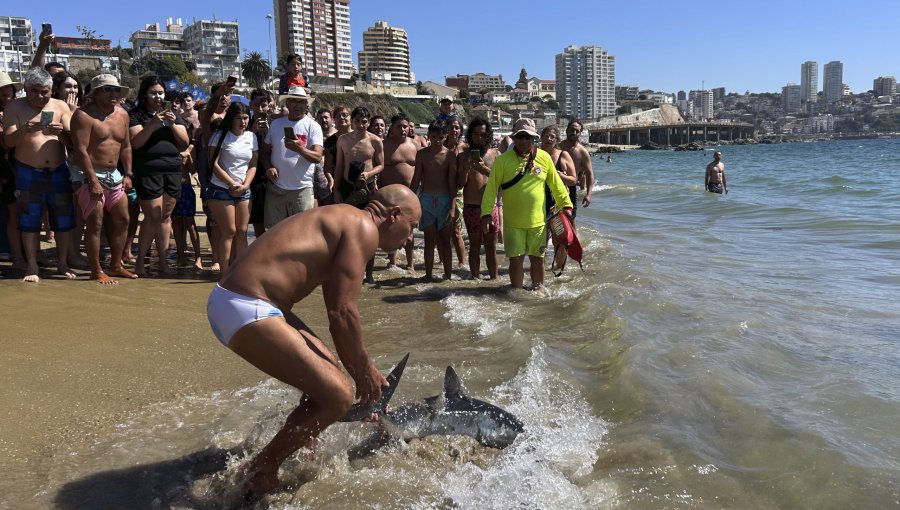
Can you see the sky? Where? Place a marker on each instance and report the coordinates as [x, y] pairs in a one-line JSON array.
[[755, 46]]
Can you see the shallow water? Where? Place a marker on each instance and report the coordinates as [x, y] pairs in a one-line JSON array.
[[716, 351]]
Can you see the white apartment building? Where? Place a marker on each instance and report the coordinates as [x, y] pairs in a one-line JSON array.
[[216, 49], [155, 42], [884, 86], [791, 97], [386, 52], [482, 81], [809, 82], [834, 81], [586, 82], [701, 104], [17, 42], [319, 31]]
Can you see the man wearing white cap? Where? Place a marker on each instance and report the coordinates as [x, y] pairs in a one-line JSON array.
[[291, 149], [523, 173], [100, 135]]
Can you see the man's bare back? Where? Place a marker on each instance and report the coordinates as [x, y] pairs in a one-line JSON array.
[[33, 147], [583, 168], [315, 242]]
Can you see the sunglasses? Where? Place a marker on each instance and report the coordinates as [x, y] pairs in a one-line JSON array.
[[523, 136], [111, 89]]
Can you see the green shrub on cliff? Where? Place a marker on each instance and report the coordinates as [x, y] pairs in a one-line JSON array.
[[387, 106]]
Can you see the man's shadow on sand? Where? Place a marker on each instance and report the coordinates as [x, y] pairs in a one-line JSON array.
[[148, 485]]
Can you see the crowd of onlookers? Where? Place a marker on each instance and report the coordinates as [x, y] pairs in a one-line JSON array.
[[84, 163]]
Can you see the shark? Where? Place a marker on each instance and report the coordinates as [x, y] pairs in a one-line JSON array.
[[452, 412]]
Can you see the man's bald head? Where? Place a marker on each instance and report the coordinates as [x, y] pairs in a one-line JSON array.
[[401, 196]]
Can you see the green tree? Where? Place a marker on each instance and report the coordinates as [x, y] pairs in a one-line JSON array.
[[166, 68], [256, 69]]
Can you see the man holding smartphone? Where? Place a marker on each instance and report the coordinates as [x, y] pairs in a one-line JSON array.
[[291, 149], [42, 174]]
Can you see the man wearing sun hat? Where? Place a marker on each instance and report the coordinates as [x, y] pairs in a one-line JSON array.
[[290, 162], [523, 173], [101, 140]]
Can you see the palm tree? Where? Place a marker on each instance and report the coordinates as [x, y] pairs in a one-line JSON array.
[[256, 69]]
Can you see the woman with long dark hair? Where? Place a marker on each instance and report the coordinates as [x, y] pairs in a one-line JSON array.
[[158, 136], [233, 151]]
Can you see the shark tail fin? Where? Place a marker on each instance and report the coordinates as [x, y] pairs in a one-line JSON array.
[[360, 412], [453, 386]]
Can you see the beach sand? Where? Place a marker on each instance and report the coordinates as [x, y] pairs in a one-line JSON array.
[[80, 358]]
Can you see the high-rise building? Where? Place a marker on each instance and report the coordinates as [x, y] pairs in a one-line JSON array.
[[317, 30], [627, 92], [884, 86], [790, 97], [702, 104], [586, 82], [16, 45], [386, 51], [809, 82], [834, 81], [718, 94], [216, 48], [154, 42]]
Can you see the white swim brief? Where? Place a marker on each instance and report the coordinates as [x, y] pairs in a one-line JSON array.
[[229, 311]]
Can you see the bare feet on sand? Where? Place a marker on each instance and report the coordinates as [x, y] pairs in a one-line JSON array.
[[103, 279], [122, 272], [198, 264], [215, 268], [66, 273]]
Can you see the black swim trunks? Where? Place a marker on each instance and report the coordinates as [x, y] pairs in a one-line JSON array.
[[150, 187], [715, 187]]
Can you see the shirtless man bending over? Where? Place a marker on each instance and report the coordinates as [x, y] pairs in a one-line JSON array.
[[250, 313], [715, 175], [42, 174], [100, 133], [399, 166]]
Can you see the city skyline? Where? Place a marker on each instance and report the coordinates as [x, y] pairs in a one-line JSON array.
[[756, 49]]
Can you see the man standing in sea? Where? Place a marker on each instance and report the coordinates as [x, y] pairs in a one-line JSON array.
[[582, 158], [399, 166], [715, 175]]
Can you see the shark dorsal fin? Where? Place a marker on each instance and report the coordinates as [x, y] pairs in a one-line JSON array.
[[453, 387]]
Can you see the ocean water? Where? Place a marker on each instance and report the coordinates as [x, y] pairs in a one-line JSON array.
[[734, 351]]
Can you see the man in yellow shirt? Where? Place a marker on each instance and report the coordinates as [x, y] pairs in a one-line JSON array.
[[523, 173]]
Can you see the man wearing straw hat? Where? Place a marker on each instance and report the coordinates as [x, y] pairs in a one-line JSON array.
[[522, 173], [100, 135], [291, 149]]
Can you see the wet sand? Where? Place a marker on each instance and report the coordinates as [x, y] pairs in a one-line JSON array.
[[79, 358]]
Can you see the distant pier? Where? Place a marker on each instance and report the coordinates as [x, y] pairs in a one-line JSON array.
[[669, 134]]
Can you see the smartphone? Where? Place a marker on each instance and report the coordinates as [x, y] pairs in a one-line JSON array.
[[167, 105], [262, 117], [46, 28], [46, 118], [230, 81], [476, 154], [289, 133]]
